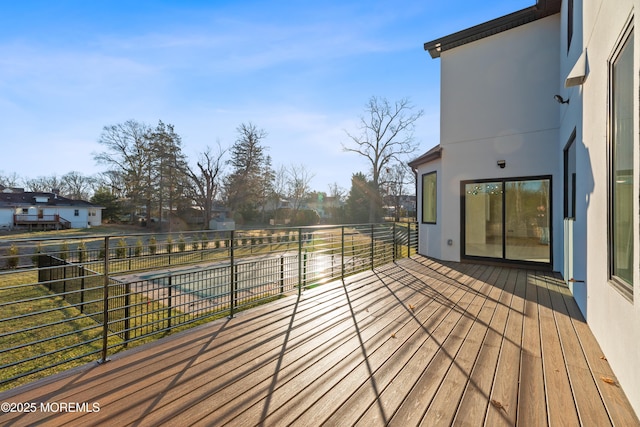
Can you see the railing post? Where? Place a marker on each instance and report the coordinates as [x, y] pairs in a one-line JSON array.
[[408, 240], [282, 274], [342, 252], [232, 269], [299, 261], [372, 246], [169, 303], [395, 246], [304, 270], [127, 313], [64, 281], [105, 303], [82, 285]]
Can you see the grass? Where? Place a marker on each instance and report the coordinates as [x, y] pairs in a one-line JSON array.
[[74, 343], [48, 335]]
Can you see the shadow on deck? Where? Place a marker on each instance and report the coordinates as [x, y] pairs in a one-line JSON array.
[[414, 342]]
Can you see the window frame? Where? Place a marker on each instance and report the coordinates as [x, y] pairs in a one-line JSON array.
[[622, 285], [432, 219], [570, 178], [569, 24], [504, 259]]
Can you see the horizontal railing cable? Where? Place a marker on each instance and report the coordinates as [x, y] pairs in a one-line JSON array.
[[65, 300]]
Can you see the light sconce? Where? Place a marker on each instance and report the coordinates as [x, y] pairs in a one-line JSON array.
[[502, 163], [560, 99]]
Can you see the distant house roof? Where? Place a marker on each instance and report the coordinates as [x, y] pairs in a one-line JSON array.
[[542, 9], [29, 198], [433, 154]]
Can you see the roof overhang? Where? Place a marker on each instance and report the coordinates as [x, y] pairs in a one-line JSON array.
[[431, 155], [542, 9]]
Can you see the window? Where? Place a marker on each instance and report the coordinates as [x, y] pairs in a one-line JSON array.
[[25, 211], [76, 212], [621, 179], [570, 177], [429, 198], [569, 23]]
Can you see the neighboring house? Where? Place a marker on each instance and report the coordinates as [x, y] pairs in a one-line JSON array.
[[538, 158], [39, 210], [325, 206]]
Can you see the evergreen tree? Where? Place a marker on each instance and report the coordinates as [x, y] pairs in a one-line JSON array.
[[169, 167], [103, 197], [249, 184], [357, 206]]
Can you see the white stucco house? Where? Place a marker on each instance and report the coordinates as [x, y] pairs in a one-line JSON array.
[[40, 210], [538, 158]]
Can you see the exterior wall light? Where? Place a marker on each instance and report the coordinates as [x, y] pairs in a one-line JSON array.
[[502, 163], [560, 99]]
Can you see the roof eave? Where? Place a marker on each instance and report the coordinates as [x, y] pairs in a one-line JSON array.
[[431, 155], [541, 10]]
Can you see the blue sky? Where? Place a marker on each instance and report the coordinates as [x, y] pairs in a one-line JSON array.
[[300, 70]]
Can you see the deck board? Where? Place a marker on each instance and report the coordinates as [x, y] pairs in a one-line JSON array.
[[424, 375], [416, 342], [472, 408], [588, 402], [533, 409]]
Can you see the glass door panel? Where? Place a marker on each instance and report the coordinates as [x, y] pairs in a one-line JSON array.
[[527, 221], [483, 219], [508, 220]]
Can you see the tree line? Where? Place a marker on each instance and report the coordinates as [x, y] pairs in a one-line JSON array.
[[148, 177]]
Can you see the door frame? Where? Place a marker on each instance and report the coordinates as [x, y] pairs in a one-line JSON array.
[[503, 259]]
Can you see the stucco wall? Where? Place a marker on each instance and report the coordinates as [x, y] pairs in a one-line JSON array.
[[430, 235], [614, 320], [497, 104]]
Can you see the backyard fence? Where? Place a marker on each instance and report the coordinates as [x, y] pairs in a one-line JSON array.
[[67, 302]]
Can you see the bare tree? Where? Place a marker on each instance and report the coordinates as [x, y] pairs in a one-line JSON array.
[[298, 182], [114, 181], [128, 155], [395, 182], [386, 135], [207, 180], [45, 184], [279, 190], [77, 186], [10, 180]]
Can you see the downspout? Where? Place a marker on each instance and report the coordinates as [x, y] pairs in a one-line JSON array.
[[415, 173]]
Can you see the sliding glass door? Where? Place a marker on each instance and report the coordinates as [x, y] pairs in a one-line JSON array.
[[507, 219]]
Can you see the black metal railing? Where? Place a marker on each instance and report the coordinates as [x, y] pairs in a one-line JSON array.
[[65, 302]]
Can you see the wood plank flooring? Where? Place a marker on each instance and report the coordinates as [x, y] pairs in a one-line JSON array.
[[417, 342]]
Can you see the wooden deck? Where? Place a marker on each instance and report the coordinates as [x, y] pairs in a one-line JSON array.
[[415, 342]]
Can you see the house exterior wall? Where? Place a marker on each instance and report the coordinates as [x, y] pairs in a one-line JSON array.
[[497, 104], [430, 235], [6, 218], [82, 220], [614, 320], [68, 213], [94, 217]]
